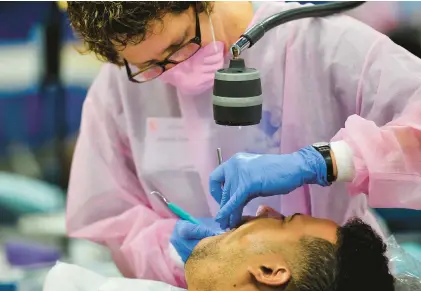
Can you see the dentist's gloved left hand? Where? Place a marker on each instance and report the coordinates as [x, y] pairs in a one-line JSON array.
[[187, 235]]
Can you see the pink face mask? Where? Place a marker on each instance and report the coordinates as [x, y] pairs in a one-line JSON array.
[[195, 75]]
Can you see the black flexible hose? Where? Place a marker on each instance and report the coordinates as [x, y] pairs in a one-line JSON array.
[[256, 32]]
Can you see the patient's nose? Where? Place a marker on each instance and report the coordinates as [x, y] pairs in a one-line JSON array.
[[266, 211]]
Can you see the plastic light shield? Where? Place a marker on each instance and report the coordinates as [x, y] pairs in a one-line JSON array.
[[405, 268]]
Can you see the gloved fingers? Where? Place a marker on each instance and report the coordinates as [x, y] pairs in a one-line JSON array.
[[230, 186], [224, 221], [225, 195], [190, 231], [236, 201], [216, 180], [236, 217], [215, 189]]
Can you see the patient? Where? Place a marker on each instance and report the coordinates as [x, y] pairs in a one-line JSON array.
[[295, 253]]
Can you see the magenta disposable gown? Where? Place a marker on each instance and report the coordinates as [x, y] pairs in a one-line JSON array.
[[321, 78]]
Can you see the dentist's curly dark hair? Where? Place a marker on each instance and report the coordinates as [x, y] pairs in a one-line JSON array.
[[102, 24]]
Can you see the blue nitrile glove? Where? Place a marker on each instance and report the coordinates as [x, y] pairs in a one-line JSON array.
[[247, 176], [187, 235]]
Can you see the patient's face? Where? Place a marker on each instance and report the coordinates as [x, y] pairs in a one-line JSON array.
[[249, 243], [273, 226]]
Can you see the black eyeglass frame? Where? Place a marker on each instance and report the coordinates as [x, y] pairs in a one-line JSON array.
[[195, 40]]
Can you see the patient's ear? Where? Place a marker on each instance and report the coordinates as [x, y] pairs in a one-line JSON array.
[[271, 274]]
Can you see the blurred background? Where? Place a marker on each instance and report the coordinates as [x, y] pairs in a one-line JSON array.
[[44, 80]]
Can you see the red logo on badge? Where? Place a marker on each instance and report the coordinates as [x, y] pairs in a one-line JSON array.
[[152, 125]]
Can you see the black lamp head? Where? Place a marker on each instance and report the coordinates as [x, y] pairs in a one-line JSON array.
[[237, 95]]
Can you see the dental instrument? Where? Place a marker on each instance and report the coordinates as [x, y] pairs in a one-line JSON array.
[[219, 154], [177, 210]]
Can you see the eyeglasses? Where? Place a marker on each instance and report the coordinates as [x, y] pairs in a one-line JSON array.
[[182, 54]]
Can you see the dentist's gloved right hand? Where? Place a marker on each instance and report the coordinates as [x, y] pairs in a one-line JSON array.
[[187, 235], [247, 176]]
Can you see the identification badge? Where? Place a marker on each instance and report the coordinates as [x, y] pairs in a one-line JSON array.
[[166, 145]]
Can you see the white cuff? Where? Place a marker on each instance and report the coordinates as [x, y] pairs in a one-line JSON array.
[[175, 256], [344, 163]]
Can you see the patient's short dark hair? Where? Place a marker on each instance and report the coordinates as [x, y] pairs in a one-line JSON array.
[[357, 262]]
